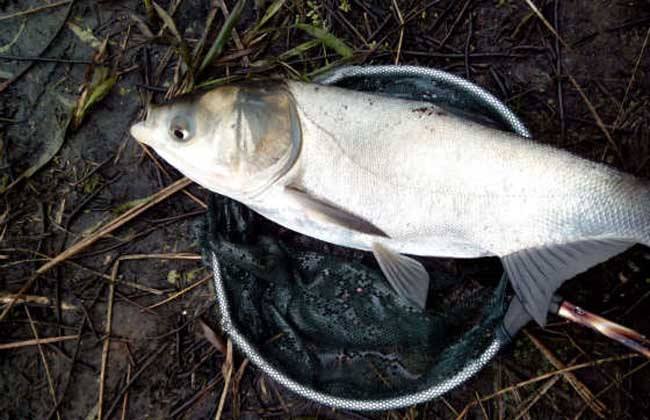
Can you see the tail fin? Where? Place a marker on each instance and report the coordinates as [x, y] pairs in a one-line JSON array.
[[536, 273]]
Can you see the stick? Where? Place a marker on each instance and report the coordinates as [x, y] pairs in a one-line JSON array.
[[48, 374], [135, 376], [116, 223], [43, 59], [36, 342], [39, 300], [180, 292], [546, 22], [34, 10], [617, 121], [584, 97], [108, 228], [547, 375], [227, 373], [125, 402], [107, 340], [585, 393]]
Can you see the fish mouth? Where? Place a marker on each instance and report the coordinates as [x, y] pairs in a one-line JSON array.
[[141, 132]]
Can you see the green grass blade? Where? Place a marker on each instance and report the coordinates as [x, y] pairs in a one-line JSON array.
[[182, 45], [270, 12], [297, 50], [328, 39], [224, 35], [168, 21]]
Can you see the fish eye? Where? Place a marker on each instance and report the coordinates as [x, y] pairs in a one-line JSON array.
[[180, 129]]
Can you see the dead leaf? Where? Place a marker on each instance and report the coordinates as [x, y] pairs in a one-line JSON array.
[[216, 340]]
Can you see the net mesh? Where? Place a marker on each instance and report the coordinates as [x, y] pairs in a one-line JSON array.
[[334, 324]]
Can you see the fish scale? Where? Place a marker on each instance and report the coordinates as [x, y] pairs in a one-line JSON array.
[[454, 180]]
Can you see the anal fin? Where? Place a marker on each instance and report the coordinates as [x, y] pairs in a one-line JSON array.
[[407, 276], [536, 273]]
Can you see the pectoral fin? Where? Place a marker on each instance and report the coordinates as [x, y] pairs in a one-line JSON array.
[[407, 276], [537, 273], [329, 213]]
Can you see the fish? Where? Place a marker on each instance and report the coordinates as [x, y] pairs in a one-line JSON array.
[[403, 178]]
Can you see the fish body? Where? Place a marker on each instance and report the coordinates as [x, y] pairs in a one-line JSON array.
[[396, 176]]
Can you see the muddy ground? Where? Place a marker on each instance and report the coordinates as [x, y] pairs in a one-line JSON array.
[[75, 74]]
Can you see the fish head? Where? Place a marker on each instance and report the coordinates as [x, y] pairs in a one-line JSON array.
[[234, 140]]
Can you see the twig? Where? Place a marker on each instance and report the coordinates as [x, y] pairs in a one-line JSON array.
[[34, 10], [222, 38], [449, 406], [584, 97], [594, 113], [616, 381], [467, 44], [180, 292], [524, 407], [189, 403], [632, 78], [623, 335], [36, 342], [126, 394], [153, 158], [338, 15], [107, 340], [135, 376], [168, 256], [97, 273], [235, 34], [546, 22], [478, 399], [585, 393], [39, 300], [453, 25], [558, 69], [48, 374], [20, 293], [235, 388], [549, 375], [401, 31], [116, 223], [216, 340], [227, 369], [44, 59], [108, 228], [72, 362]]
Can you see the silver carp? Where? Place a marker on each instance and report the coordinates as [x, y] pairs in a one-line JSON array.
[[396, 176]]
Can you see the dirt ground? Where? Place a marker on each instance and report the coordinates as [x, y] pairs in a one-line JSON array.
[[122, 311]]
